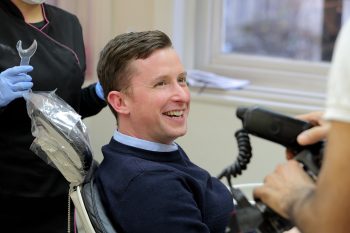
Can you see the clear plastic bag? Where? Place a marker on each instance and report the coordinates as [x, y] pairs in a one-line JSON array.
[[61, 138]]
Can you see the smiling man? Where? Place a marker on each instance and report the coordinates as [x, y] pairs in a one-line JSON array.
[[146, 181]]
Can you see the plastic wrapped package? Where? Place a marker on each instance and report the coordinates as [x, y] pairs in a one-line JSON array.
[[61, 137]]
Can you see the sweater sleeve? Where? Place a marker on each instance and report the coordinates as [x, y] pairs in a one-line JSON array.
[[157, 202]]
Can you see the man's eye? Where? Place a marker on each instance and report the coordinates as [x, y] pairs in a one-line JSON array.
[[161, 83], [182, 80]]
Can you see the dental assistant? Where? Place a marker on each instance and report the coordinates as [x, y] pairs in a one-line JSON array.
[[34, 195]]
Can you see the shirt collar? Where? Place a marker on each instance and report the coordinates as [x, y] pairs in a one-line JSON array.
[[143, 144]]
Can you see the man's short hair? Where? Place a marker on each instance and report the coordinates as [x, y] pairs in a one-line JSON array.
[[113, 70]]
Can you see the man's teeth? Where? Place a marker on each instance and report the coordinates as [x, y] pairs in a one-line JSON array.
[[174, 113]]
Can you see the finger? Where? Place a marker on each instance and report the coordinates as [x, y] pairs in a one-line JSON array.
[[258, 192], [22, 86], [19, 94], [20, 78], [18, 70], [313, 117], [262, 193], [289, 154], [312, 135]]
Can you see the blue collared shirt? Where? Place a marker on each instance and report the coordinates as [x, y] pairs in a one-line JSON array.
[[143, 144]]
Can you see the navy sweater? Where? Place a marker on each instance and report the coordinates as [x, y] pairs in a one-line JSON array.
[[158, 192]]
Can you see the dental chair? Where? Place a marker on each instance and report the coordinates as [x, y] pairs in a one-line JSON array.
[[90, 210], [61, 140]]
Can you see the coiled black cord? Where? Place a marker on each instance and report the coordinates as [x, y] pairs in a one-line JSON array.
[[243, 158]]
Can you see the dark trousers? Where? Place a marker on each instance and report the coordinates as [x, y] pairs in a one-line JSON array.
[[35, 215]]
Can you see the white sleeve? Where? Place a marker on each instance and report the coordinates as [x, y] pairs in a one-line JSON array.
[[338, 93]]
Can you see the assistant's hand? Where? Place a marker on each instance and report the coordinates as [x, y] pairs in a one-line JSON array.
[[315, 134], [285, 188], [14, 82], [99, 91]]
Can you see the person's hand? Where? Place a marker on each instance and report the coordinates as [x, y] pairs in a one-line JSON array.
[[285, 187], [14, 82], [99, 91], [313, 135]]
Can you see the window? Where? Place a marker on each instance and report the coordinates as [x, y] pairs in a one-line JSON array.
[[294, 29], [282, 47]]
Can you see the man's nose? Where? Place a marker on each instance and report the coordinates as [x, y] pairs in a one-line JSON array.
[[181, 92]]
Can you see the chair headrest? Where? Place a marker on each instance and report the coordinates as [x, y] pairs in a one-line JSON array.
[[61, 137]]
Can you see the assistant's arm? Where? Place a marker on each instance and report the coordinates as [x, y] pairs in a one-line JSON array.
[[327, 207], [90, 103]]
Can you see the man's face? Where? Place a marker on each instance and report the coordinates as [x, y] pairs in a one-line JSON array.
[[159, 99]]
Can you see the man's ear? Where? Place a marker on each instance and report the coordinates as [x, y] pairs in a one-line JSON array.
[[117, 100]]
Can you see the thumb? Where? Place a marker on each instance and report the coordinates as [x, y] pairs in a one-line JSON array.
[[312, 135]]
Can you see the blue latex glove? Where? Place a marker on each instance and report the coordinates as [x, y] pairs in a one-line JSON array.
[[14, 82], [99, 91]]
